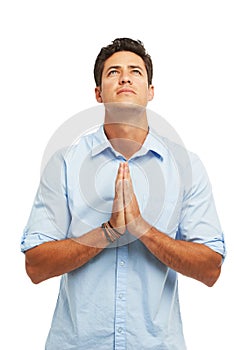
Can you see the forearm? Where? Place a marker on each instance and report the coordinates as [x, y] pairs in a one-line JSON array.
[[188, 258], [55, 258]]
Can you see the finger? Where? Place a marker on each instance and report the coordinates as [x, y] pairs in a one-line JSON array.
[[120, 172], [119, 181], [118, 200], [126, 172], [128, 192], [119, 190], [127, 177]]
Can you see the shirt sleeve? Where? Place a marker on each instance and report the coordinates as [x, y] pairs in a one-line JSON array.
[[50, 216], [199, 221]]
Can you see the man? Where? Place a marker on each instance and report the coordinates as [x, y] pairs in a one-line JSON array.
[[118, 215]]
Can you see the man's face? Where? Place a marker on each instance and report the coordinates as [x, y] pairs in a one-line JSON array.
[[124, 80]]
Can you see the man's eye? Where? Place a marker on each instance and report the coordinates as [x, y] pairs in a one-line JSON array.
[[136, 71], [112, 72]]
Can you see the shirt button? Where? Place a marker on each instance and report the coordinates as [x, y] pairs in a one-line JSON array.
[[120, 330], [120, 296], [122, 263]]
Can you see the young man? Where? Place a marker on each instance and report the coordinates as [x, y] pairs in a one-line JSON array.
[[118, 215]]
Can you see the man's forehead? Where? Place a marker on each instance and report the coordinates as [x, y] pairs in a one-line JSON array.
[[124, 58]]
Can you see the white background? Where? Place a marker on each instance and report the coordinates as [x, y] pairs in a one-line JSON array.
[[48, 50]]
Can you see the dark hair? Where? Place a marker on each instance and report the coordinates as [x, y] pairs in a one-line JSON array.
[[122, 44]]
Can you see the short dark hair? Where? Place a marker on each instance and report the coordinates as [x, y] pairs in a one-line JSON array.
[[122, 44]]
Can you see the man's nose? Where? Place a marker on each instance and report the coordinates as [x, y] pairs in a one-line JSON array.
[[125, 78]]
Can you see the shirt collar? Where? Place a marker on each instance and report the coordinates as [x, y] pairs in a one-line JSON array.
[[153, 143], [100, 141]]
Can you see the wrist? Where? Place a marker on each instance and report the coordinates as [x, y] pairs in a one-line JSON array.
[[111, 233], [138, 226]]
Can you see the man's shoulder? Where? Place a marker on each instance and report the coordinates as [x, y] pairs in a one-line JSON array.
[[84, 143], [172, 146], [187, 162]]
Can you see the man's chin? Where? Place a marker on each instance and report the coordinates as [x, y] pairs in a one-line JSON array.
[[124, 109]]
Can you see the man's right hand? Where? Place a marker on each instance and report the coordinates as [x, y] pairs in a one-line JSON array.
[[117, 219]]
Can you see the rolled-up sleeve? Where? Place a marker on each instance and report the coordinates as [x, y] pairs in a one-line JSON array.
[[50, 216], [199, 221]]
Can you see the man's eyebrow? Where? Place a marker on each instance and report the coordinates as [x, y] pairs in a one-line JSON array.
[[132, 66]]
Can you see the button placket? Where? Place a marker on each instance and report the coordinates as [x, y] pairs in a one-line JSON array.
[[120, 300]]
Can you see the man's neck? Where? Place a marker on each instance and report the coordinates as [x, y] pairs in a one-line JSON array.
[[127, 138]]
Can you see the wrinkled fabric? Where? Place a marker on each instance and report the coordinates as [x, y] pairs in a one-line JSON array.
[[124, 298]]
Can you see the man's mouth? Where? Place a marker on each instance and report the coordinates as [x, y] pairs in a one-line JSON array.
[[125, 90]]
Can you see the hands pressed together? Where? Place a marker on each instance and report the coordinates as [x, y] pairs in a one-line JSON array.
[[125, 211]]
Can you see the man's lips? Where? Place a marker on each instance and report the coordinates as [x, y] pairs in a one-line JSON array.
[[125, 90]]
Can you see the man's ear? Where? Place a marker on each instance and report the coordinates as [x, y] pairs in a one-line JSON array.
[[98, 94], [151, 93]]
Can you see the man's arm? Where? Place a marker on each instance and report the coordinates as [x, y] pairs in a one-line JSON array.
[[191, 259], [55, 258]]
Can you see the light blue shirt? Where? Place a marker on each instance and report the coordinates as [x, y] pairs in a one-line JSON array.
[[124, 298]]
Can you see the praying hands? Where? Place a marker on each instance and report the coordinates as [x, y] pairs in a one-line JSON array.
[[125, 211]]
